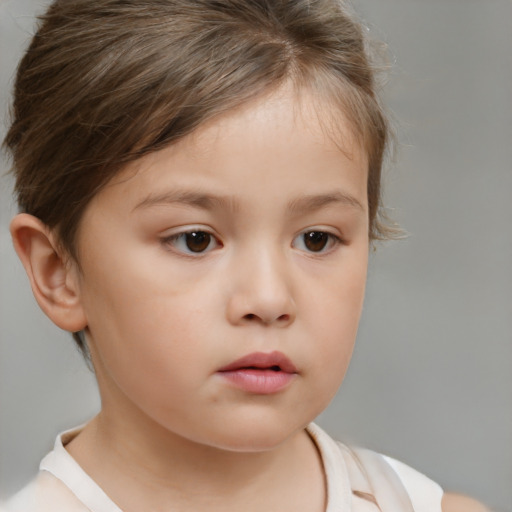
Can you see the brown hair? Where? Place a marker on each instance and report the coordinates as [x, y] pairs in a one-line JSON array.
[[105, 82]]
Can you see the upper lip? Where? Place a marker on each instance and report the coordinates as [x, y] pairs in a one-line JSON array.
[[262, 360]]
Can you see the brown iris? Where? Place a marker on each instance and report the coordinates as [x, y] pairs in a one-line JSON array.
[[197, 241], [315, 241]]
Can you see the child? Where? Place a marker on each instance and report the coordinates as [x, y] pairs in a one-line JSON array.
[[199, 184]]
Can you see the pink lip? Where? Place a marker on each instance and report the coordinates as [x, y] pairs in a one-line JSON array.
[[260, 373]]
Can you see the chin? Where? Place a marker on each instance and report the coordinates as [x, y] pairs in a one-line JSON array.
[[254, 436], [258, 442]]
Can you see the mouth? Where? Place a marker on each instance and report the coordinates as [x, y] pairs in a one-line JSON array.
[[273, 361], [260, 373]]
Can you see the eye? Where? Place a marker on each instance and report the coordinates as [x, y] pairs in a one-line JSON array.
[[192, 242], [316, 241]]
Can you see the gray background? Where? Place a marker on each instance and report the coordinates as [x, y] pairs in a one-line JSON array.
[[431, 379]]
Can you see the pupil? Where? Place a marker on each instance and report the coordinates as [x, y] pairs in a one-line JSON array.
[[197, 241], [315, 240]]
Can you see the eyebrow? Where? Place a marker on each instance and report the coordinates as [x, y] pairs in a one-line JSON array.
[[189, 198], [205, 201], [314, 202]]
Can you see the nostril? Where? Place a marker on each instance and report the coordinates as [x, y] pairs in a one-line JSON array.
[[251, 317]]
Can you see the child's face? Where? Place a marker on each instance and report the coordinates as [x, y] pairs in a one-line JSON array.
[[248, 237]]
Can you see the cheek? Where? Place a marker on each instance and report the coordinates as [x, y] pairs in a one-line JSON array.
[[150, 356], [333, 347], [134, 295], [335, 298], [333, 319], [150, 316], [131, 328]]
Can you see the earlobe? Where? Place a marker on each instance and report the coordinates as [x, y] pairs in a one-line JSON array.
[[53, 279]]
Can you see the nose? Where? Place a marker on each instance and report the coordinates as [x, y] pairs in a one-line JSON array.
[[262, 291]]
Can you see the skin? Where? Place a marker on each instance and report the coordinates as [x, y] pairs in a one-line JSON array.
[[162, 320]]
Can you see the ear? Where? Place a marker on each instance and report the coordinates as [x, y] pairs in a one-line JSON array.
[[53, 276]]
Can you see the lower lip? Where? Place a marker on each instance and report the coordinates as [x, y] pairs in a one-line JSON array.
[[262, 382]]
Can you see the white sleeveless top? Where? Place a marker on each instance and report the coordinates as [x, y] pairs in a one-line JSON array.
[[357, 481]]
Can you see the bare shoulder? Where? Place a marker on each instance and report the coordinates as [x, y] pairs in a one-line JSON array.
[[458, 503]]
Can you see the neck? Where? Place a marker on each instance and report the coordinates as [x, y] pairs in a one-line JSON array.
[[144, 466]]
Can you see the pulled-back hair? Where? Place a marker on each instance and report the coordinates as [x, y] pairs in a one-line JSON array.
[[105, 82]]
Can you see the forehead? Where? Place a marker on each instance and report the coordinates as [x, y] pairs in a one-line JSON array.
[[277, 137]]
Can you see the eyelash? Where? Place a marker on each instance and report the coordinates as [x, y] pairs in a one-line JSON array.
[[173, 241], [331, 242], [212, 242]]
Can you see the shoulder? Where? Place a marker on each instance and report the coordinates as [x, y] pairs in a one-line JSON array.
[[458, 503], [450, 502], [419, 486], [425, 494], [390, 477], [391, 484], [43, 494]]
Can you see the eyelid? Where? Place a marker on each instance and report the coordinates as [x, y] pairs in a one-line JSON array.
[[169, 240], [336, 239], [187, 228]]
